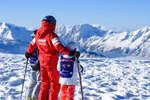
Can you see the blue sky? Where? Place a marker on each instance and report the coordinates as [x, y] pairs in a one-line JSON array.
[[120, 14]]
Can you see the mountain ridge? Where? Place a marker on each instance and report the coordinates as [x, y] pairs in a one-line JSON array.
[[90, 37]]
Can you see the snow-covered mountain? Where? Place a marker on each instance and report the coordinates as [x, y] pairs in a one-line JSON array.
[[92, 38], [13, 32], [99, 39], [14, 39]]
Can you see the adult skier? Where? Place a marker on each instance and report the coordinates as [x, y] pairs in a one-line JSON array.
[[49, 46]]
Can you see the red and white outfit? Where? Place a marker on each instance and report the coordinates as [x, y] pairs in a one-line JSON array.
[[49, 46], [68, 84]]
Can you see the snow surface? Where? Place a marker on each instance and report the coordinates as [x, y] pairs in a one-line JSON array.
[[123, 78]]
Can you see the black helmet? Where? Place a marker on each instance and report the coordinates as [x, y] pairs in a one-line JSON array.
[[33, 33], [50, 19]]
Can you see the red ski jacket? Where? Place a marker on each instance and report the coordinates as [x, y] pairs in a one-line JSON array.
[[48, 43]]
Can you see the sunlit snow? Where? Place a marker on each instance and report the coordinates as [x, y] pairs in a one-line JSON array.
[[103, 78]]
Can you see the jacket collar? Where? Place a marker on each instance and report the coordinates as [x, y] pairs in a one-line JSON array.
[[48, 26]]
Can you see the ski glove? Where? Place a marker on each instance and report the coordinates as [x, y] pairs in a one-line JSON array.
[[27, 55], [75, 54]]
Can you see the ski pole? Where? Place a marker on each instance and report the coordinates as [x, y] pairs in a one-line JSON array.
[[80, 79], [24, 79]]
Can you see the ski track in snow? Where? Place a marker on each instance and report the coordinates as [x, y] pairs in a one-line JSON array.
[[102, 79]]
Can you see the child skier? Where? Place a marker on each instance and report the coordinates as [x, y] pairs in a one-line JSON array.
[[68, 69], [34, 85]]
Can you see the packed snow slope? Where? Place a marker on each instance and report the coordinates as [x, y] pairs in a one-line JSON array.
[[103, 78]]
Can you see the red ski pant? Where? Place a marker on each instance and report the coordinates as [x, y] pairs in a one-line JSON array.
[[49, 82], [67, 92]]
